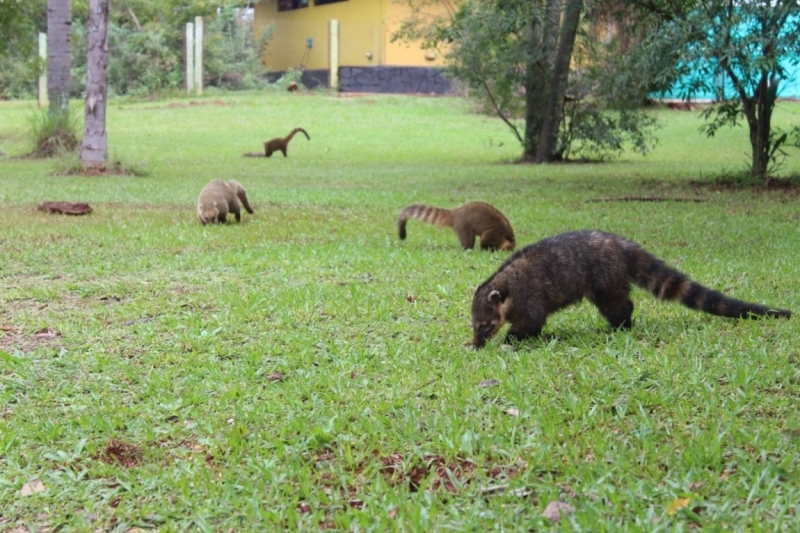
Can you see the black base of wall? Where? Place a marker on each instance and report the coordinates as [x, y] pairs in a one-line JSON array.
[[392, 80]]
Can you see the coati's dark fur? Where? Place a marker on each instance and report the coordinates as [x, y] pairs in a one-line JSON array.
[[281, 143], [219, 198], [469, 220], [555, 272]]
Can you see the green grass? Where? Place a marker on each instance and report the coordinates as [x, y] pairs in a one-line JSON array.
[[307, 370]]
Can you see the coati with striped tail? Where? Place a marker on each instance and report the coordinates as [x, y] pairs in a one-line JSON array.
[[219, 198], [469, 220], [555, 272], [281, 143]]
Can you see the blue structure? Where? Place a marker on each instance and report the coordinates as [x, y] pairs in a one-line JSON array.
[[788, 87], [750, 21]]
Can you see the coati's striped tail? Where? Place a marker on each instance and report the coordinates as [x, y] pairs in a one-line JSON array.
[[426, 213], [667, 283], [289, 137], [241, 194]]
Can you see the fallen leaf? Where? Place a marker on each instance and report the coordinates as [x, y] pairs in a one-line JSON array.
[[556, 509], [304, 507], [393, 513], [676, 504], [275, 376], [32, 487], [513, 411], [488, 383]]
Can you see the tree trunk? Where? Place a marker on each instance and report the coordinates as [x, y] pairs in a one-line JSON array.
[[541, 39], [546, 150], [93, 149], [59, 54]]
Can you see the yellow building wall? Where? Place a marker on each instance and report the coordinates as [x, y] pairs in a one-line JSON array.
[[365, 28]]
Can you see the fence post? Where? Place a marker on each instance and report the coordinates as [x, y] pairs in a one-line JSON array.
[[333, 32], [189, 57], [43, 69], [198, 54]]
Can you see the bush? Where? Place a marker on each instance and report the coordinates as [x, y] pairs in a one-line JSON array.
[[54, 134]]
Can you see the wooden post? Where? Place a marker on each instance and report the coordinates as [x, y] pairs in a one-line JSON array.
[[189, 57], [198, 55], [42, 69], [334, 53]]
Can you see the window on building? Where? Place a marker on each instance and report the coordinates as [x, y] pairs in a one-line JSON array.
[[288, 5], [323, 2]]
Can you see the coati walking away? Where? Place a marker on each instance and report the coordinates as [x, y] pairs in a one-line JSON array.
[[555, 272], [281, 144], [469, 220], [219, 198]]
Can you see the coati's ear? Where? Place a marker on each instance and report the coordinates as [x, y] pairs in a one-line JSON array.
[[495, 297], [215, 204]]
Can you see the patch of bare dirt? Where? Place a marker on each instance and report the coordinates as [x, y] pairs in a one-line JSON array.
[[789, 186], [121, 453], [113, 168], [65, 208], [13, 338], [443, 474]]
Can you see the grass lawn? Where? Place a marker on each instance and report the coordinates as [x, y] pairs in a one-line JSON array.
[[307, 370]]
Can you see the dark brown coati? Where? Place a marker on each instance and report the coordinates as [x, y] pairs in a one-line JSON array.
[[219, 198], [469, 220], [555, 272], [281, 143]]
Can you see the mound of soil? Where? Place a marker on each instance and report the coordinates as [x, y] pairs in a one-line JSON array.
[[65, 208]]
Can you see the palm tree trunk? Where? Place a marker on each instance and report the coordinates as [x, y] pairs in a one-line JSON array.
[[59, 54], [94, 148]]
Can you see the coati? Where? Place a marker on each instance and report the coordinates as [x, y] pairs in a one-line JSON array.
[[219, 198], [555, 272], [468, 220], [281, 144]]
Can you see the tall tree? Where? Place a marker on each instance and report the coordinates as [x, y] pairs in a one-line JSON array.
[[738, 50], [518, 56], [94, 146], [59, 54]]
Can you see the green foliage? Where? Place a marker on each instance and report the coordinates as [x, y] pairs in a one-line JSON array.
[[305, 370], [739, 52], [233, 55], [486, 46], [144, 59], [292, 75], [54, 133], [142, 63]]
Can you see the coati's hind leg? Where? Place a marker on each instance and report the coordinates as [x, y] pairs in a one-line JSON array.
[[233, 207], [616, 307], [466, 237]]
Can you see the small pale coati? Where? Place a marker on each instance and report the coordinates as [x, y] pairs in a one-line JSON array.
[[219, 198], [469, 220], [281, 143], [555, 272]]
